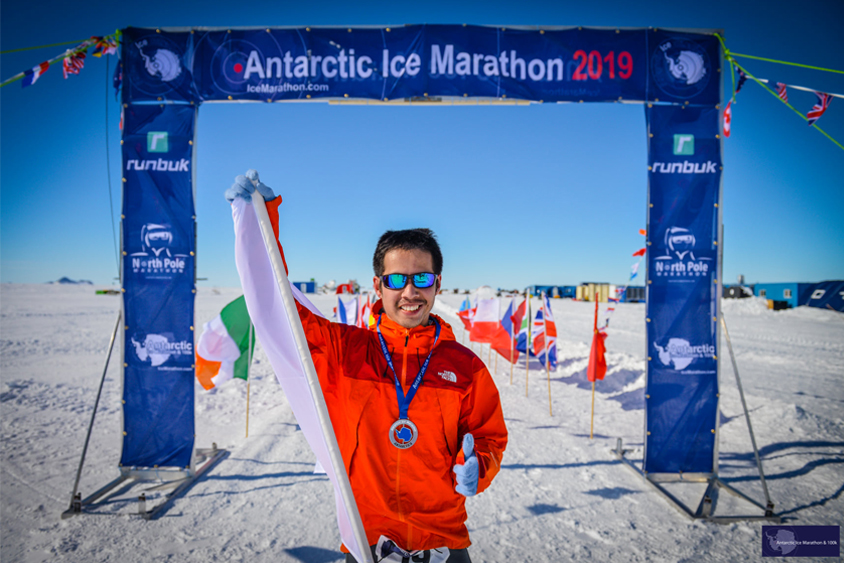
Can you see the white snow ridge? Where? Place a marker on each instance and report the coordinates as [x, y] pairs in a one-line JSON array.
[[559, 496]]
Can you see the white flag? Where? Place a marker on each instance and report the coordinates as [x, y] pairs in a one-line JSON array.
[[266, 307]]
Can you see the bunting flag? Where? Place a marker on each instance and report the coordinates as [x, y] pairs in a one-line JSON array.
[[782, 92], [226, 346], [597, 368], [728, 117], [105, 45], [73, 63], [643, 232], [742, 78], [640, 252], [32, 75], [819, 108], [634, 271]]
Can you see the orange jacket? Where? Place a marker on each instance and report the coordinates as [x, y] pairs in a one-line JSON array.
[[406, 495]]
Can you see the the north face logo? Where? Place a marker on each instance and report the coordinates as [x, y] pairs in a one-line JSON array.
[[448, 376]]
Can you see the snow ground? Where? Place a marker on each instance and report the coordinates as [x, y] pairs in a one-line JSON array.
[[560, 496]]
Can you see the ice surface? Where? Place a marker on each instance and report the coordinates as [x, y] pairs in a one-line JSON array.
[[560, 496]]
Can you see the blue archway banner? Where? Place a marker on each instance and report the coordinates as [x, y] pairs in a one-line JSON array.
[[419, 61], [675, 74], [158, 283]]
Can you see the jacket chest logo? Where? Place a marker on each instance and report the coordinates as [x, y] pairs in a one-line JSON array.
[[448, 376]]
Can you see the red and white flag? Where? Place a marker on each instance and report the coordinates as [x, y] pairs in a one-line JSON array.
[[73, 63], [728, 117], [485, 324], [819, 108], [781, 92]]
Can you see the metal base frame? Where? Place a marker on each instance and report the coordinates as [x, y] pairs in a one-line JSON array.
[[706, 508], [178, 479]]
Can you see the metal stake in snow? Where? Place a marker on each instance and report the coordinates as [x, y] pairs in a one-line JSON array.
[[310, 371]]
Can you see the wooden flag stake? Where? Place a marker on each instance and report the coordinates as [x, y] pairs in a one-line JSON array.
[[527, 345], [592, 419], [547, 350], [248, 379]]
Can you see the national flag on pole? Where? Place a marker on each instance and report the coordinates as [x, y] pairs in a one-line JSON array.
[[819, 108], [524, 330], [225, 346], [545, 335], [634, 271], [597, 368], [277, 336], [347, 312], [364, 313], [782, 92], [72, 64], [466, 313], [32, 75], [485, 324], [502, 345], [728, 117], [640, 252]]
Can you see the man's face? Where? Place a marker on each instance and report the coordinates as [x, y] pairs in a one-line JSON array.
[[410, 306]]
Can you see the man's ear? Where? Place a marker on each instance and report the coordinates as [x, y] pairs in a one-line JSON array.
[[376, 285]]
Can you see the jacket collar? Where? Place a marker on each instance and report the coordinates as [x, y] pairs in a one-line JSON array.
[[393, 332]]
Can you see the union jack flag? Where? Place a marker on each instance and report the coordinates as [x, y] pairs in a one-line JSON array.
[[781, 92], [817, 110], [73, 63]]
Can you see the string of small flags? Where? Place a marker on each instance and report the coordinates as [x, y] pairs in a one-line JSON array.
[[781, 91], [73, 60]]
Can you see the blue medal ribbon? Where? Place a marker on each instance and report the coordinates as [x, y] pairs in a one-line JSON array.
[[404, 400]]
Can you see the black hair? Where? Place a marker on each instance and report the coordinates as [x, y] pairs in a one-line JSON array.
[[409, 239]]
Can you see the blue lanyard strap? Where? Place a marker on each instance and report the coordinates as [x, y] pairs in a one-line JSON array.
[[404, 400]]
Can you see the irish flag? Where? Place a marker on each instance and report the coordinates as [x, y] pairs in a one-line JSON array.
[[225, 348]]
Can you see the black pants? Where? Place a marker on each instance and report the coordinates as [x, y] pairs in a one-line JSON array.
[[455, 556]]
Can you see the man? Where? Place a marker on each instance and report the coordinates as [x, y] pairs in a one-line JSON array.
[[417, 416]]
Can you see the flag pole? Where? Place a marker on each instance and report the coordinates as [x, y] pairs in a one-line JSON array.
[[595, 335], [547, 349], [512, 345], [527, 341], [336, 458], [248, 379], [592, 418]]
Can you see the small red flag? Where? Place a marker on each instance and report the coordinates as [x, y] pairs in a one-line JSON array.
[[597, 362], [643, 232], [728, 117], [640, 252]]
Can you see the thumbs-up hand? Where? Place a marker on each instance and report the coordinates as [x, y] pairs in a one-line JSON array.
[[467, 474]]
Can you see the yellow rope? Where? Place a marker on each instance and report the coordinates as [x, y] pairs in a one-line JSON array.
[[788, 63], [40, 47]]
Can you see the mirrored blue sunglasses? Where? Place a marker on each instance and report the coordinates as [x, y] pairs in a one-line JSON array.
[[399, 281]]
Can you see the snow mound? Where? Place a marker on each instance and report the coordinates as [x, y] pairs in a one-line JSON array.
[[747, 306]]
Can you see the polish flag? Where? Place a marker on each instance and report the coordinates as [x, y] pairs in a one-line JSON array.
[[485, 325]]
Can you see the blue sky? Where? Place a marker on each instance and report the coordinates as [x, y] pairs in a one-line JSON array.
[[517, 195]]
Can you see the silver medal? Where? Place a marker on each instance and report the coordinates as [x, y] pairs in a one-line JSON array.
[[403, 434]]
